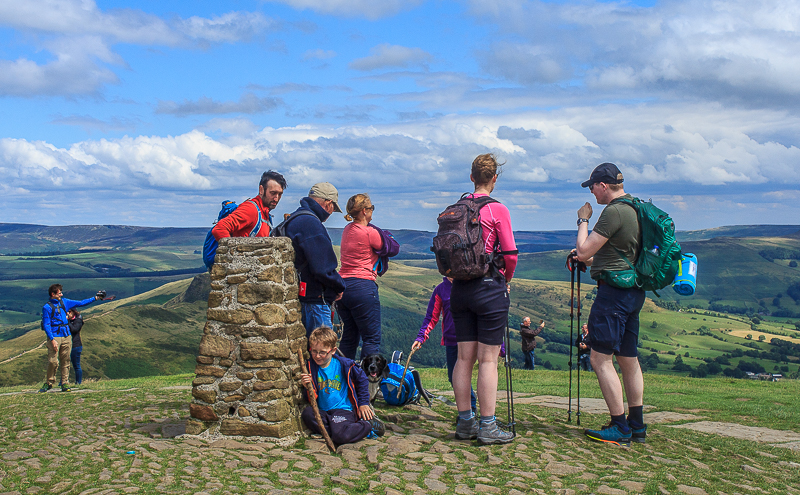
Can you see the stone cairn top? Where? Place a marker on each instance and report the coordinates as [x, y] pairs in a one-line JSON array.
[[247, 365]]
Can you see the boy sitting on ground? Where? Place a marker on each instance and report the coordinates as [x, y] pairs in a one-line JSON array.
[[342, 392]]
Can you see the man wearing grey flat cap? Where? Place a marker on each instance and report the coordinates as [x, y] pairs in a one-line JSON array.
[[319, 282]]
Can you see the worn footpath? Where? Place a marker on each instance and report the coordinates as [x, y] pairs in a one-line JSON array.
[[102, 440]]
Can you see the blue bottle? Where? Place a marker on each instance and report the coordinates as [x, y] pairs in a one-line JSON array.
[[685, 281]]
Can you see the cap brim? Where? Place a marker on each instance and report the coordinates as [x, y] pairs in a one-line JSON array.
[[588, 183], [336, 207]]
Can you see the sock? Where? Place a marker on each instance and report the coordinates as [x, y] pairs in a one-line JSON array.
[[466, 415], [488, 420], [635, 417], [621, 423]]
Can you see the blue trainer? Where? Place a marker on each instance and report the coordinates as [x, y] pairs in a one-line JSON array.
[[609, 433], [638, 434]]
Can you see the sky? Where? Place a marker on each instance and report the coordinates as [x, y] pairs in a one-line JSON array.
[[152, 113]]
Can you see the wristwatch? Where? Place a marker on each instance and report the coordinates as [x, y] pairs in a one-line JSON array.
[[581, 220]]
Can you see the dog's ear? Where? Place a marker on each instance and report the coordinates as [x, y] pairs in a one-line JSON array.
[[383, 361]]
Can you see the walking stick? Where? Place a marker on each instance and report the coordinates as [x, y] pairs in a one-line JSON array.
[[580, 304], [509, 383], [403, 377], [571, 266], [312, 398]]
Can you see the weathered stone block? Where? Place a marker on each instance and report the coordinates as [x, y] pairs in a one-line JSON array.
[[243, 412], [229, 386], [279, 410], [277, 384], [296, 331], [261, 364], [217, 284], [245, 375], [203, 413], [289, 275], [252, 351], [270, 375], [270, 314], [205, 360], [236, 427], [218, 272], [225, 362], [234, 398], [233, 316], [236, 279], [216, 345], [215, 299], [259, 293], [194, 427], [203, 380], [266, 396], [209, 396], [201, 370], [271, 274], [246, 389]]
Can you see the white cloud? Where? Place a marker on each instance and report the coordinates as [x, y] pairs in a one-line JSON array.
[[318, 54], [386, 55], [353, 8], [80, 37]]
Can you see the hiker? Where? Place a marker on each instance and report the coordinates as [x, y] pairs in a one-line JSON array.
[[360, 306], [314, 259], [244, 219], [528, 338], [439, 306], [75, 324], [342, 392], [614, 319], [56, 326], [480, 314], [584, 351]]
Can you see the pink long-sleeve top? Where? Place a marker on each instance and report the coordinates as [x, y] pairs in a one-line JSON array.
[[496, 223], [359, 246]]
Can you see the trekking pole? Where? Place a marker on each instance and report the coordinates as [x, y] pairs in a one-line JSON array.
[[571, 267], [580, 304], [509, 382], [338, 328], [312, 398], [403, 376]]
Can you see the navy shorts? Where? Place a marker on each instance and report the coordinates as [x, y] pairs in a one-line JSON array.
[[614, 321], [480, 310]]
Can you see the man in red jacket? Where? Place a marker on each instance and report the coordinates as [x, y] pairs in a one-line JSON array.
[[242, 221]]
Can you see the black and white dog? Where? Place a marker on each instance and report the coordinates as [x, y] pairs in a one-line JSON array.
[[374, 365]]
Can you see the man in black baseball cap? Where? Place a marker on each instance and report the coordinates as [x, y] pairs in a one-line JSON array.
[[614, 318], [607, 173]]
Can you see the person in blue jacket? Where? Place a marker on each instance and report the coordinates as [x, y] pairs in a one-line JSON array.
[[320, 284], [342, 391], [59, 342]]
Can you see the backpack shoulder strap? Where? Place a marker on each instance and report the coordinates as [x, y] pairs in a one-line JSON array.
[[257, 228]]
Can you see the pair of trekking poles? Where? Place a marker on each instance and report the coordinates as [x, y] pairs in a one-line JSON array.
[[574, 266]]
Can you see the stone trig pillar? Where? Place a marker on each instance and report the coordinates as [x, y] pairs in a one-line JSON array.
[[247, 367]]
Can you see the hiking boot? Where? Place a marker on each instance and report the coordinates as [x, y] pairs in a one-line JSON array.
[[45, 388], [467, 429], [65, 388], [491, 435], [609, 433], [378, 428], [638, 434]]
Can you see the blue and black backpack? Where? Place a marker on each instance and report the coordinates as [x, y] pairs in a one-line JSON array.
[[411, 389], [210, 244]]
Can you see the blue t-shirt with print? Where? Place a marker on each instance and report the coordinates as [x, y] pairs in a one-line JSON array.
[[332, 390]]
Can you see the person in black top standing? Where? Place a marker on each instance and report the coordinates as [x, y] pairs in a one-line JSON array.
[[75, 321]]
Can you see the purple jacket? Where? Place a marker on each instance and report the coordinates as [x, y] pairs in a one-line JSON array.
[[439, 305], [389, 249]]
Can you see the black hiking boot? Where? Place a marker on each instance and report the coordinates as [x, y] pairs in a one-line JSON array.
[[467, 429]]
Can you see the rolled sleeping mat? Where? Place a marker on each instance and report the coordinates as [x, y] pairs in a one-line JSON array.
[[685, 281]]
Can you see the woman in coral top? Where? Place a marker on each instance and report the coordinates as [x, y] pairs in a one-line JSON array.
[[360, 306]]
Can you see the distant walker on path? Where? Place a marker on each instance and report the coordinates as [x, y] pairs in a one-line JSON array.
[[528, 337]]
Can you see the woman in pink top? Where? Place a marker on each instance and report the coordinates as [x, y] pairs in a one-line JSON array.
[[360, 306], [480, 313]]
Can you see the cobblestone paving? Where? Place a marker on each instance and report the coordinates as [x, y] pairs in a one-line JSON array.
[[131, 441]]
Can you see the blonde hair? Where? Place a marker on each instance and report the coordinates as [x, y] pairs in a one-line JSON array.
[[614, 187], [484, 168], [323, 335], [356, 204]]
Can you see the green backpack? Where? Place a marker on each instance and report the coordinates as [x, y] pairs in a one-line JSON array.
[[659, 254]]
